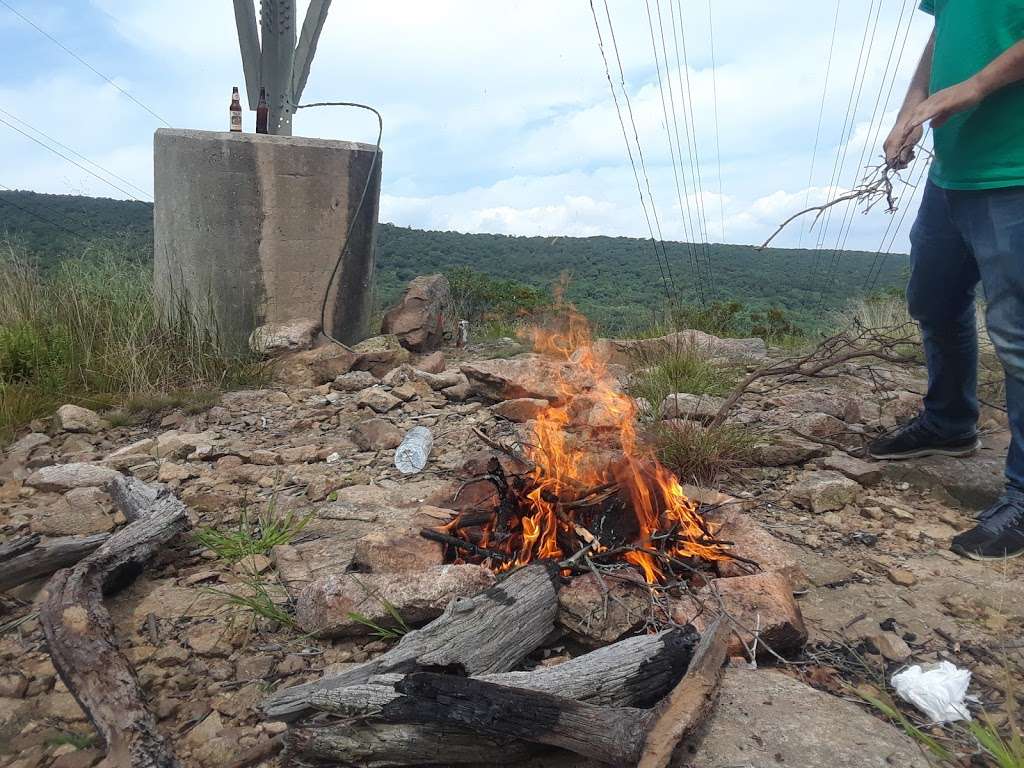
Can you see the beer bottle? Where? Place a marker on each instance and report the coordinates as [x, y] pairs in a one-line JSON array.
[[235, 111], [262, 112]]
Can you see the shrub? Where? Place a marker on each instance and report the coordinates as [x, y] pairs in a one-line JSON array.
[[683, 369], [699, 454]]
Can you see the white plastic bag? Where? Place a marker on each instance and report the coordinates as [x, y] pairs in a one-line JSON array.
[[939, 693]]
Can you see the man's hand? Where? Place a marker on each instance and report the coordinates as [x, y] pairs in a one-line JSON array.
[[899, 145], [942, 105]]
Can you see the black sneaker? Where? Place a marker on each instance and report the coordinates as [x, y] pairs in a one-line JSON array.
[[999, 534], [914, 440]]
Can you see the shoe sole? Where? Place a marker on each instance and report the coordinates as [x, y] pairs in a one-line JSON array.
[[959, 453], [985, 558]]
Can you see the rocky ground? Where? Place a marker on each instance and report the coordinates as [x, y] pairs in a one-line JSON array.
[[864, 544]]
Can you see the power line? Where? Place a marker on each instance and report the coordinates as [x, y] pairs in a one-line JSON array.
[[821, 115], [70, 160], [691, 133], [77, 154], [639, 147], [629, 148], [683, 211], [874, 130], [714, 97], [78, 58]]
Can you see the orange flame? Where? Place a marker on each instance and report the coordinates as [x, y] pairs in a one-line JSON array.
[[563, 466]]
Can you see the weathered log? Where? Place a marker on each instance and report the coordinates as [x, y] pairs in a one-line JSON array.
[[490, 632], [613, 735], [34, 559], [635, 672], [16, 546], [80, 634], [685, 709]]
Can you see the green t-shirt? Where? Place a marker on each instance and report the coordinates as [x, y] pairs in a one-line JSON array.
[[984, 147]]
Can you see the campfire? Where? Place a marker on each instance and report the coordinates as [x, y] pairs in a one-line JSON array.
[[590, 490]]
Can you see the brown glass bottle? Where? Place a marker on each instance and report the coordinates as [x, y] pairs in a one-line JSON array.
[[235, 111], [262, 112]]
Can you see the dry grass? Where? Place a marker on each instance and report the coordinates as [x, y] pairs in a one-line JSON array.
[[699, 454], [88, 332]]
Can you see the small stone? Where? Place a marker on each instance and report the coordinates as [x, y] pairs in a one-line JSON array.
[[405, 392], [74, 418], [333, 458], [171, 655], [208, 640], [291, 664], [890, 645], [210, 728], [419, 318], [80, 511], [354, 381], [863, 472], [170, 471], [251, 564], [459, 392], [825, 491], [597, 619], [900, 577], [377, 400], [376, 435], [12, 685], [265, 458]]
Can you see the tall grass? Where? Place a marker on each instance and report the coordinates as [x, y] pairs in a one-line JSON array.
[[88, 331], [681, 369]]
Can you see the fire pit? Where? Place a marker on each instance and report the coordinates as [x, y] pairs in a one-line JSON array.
[[589, 490]]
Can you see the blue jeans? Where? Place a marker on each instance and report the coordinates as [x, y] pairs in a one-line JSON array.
[[959, 238]]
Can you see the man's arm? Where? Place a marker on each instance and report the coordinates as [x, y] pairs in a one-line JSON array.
[[899, 146], [1005, 69]]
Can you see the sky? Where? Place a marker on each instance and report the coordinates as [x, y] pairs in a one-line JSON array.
[[498, 115]]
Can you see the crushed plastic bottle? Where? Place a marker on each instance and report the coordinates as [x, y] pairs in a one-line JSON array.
[[411, 455]]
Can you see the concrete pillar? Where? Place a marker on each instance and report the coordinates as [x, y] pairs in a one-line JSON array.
[[247, 229]]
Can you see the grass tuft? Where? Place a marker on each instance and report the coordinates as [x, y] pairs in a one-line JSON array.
[[683, 369], [699, 454], [252, 535]]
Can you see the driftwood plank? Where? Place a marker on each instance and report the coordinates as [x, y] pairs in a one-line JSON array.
[[636, 672], [34, 559], [490, 632], [80, 634]]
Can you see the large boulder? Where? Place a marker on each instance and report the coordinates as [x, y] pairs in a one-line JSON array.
[[313, 367], [418, 319], [523, 376], [63, 477]]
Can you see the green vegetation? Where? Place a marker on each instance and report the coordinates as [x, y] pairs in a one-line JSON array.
[[86, 331], [258, 599], [682, 370], [1000, 751], [614, 281], [253, 535], [698, 454]]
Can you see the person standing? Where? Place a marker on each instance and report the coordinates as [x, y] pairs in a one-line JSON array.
[[969, 85]]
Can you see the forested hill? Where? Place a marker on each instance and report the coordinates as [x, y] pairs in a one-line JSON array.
[[615, 280]]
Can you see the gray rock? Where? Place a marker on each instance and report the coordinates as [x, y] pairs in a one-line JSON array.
[[766, 718], [275, 338], [354, 381], [824, 491], [80, 511], [683, 405], [74, 418], [28, 443], [630, 351], [377, 399], [863, 472], [64, 477], [783, 450]]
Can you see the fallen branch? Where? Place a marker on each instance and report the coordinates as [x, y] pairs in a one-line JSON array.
[[29, 558], [80, 634], [831, 352]]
